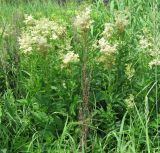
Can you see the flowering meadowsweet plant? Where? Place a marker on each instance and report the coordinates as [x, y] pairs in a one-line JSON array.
[[29, 20], [108, 30], [25, 42], [130, 102], [39, 34], [144, 43], [83, 20], [155, 54], [106, 48], [121, 20], [129, 71], [107, 52], [70, 57], [80, 77], [106, 45], [154, 62]]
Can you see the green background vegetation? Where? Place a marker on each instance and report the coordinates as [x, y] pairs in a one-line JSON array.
[[39, 114]]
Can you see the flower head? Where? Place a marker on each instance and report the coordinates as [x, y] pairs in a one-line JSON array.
[[108, 30], [144, 43], [121, 20], [129, 71], [106, 48], [37, 34], [83, 20], [70, 57], [29, 20], [130, 102], [154, 62], [25, 42]]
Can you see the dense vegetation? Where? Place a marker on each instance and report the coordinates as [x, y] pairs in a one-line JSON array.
[[80, 77]]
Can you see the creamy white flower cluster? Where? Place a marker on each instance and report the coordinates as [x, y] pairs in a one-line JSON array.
[[83, 20], [7, 30], [25, 42], [129, 71], [39, 33], [146, 43], [154, 50], [70, 57], [154, 62], [108, 30], [121, 19], [67, 55], [29, 20], [155, 54], [130, 101], [107, 49]]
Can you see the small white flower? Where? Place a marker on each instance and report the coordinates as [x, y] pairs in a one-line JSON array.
[[106, 48], [29, 20], [70, 57], [83, 20], [53, 36], [95, 45], [25, 42], [41, 41], [121, 20], [129, 71], [154, 62], [130, 101], [144, 43], [38, 33], [108, 30]]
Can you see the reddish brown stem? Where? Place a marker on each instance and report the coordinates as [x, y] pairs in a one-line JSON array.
[[84, 110]]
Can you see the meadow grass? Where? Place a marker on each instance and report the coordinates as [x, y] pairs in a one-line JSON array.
[[98, 103]]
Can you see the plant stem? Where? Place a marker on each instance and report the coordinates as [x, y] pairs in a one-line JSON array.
[[85, 84]]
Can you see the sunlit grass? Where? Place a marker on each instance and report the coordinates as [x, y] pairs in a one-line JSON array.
[[40, 97]]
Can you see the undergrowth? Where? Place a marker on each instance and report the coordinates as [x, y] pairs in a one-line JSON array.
[[79, 77]]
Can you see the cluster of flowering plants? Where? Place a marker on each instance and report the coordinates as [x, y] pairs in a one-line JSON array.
[[54, 42], [80, 79]]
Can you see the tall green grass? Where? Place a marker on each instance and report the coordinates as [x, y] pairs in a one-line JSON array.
[[39, 102]]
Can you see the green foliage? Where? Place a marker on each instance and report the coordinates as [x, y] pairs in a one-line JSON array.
[[40, 100]]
